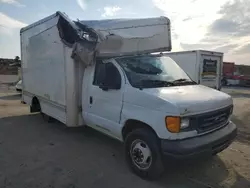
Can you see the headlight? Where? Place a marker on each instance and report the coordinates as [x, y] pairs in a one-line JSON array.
[[231, 110], [184, 123], [175, 124]]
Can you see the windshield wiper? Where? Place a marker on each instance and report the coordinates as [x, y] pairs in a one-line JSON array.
[[156, 83], [184, 80]]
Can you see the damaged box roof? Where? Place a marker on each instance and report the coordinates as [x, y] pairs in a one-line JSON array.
[[131, 36], [111, 38]]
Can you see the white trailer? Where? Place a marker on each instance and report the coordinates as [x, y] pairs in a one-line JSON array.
[[204, 67], [101, 74]]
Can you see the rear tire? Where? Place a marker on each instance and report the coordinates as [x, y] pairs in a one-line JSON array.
[[35, 106], [143, 154]]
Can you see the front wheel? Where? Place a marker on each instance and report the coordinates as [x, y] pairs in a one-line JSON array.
[[143, 154]]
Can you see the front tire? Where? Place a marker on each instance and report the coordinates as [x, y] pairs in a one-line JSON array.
[[143, 154]]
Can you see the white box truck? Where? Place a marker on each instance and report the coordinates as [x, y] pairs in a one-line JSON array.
[[101, 74], [204, 67]]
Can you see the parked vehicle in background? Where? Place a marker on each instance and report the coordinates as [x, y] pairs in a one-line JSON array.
[[19, 86], [228, 68], [99, 74], [204, 67], [228, 74], [235, 75]]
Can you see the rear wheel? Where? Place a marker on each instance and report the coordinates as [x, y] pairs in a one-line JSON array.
[[35, 105], [143, 154]]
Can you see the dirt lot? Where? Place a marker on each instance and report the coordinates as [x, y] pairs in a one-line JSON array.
[[8, 78], [37, 154]]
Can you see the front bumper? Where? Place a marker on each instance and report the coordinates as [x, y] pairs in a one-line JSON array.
[[204, 145]]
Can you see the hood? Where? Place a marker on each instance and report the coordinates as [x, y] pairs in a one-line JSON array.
[[192, 99]]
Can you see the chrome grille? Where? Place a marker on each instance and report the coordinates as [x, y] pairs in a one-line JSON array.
[[211, 120]]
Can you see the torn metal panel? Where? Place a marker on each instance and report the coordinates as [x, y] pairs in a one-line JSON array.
[[82, 53], [85, 47], [66, 32]]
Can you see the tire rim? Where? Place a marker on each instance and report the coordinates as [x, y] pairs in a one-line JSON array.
[[140, 154]]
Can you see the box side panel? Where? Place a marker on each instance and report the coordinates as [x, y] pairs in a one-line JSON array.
[[43, 70]]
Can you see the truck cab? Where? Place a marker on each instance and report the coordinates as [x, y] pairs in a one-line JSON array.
[[153, 106]]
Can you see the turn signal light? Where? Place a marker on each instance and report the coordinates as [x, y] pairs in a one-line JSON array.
[[173, 124]]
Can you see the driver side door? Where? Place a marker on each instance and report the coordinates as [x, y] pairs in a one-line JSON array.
[[105, 101]]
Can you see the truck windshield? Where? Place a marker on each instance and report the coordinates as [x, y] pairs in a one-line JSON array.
[[153, 71]]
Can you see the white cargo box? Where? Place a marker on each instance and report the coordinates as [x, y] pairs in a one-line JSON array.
[[56, 50]]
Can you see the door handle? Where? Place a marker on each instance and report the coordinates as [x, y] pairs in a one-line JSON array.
[[90, 99]]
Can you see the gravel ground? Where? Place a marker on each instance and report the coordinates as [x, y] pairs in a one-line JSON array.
[[8, 78], [34, 153]]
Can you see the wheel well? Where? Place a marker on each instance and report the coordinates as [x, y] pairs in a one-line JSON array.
[[131, 125], [35, 105]]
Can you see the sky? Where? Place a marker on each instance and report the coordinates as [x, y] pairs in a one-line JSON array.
[[217, 25]]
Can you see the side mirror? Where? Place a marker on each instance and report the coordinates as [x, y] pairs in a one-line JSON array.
[[116, 86], [107, 86], [104, 88]]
